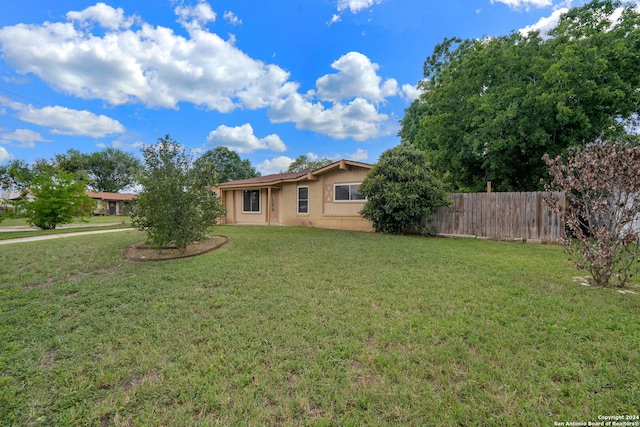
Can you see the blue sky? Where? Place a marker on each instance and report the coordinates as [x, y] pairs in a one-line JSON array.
[[271, 79]]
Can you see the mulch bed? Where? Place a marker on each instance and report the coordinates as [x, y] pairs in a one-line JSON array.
[[142, 252]]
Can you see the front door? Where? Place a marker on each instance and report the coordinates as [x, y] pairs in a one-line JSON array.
[[275, 206], [112, 208]]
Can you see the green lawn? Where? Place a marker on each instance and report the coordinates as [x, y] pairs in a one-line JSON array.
[[300, 326], [8, 222], [89, 224]]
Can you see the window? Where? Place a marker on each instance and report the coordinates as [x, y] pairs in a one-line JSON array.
[[251, 201], [303, 200], [347, 192]]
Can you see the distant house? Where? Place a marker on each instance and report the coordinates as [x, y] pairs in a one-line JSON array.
[[9, 197], [111, 203], [327, 197]]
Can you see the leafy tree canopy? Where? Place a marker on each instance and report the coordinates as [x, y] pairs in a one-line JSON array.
[[175, 205], [57, 198], [18, 175], [491, 108], [109, 170], [222, 165], [303, 163], [401, 191]]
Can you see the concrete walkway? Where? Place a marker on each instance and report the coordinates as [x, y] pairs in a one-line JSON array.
[[10, 228], [58, 236]]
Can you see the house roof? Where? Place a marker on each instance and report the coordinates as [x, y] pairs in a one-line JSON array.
[[267, 179], [101, 195], [11, 195], [278, 178]]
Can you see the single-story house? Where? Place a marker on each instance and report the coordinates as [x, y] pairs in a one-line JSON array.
[[327, 197], [9, 197], [111, 203]]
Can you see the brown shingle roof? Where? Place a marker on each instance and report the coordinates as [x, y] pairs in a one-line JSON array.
[[110, 196], [277, 178], [267, 179]]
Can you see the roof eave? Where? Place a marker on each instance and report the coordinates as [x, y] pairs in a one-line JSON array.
[[309, 176]]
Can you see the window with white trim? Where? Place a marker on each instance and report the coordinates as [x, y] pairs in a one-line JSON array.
[[303, 200], [250, 200], [347, 193]]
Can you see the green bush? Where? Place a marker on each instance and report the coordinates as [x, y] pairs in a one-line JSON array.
[[175, 206], [402, 193], [57, 197]]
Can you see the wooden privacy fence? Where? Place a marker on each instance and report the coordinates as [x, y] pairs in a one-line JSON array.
[[501, 216]]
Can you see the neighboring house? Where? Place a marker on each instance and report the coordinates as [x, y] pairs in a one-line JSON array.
[[327, 198], [7, 199], [111, 203]]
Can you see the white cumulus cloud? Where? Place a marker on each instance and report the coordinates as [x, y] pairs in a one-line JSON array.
[[410, 92], [231, 18], [243, 140], [358, 119], [335, 18], [277, 165], [66, 121], [356, 6], [353, 95], [4, 155], [106, 16], [133, 62], [200, 13], [525, 4], [142, 63], [545, 24], [359, 156], [357, 77], [26, 138]]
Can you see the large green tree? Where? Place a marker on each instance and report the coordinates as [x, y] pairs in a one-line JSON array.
[[491, 108], [222, 165], [175, 205], [18, 174], [111, 170]]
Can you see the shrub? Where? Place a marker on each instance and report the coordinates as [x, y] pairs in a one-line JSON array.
[[401, 192], [175, 205], [57, 197], [602, 186]]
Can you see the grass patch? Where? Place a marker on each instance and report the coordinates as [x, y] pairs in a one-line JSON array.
[[13, 222], [289, 326], [69, 229], [90, 224]]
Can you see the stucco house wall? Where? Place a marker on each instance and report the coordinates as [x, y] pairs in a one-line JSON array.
[[232, 200], [111, 203], [324, 211], [279, 198]]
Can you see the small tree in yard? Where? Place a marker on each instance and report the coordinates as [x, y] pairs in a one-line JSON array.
[[58, 198], [401, 191], [175, 206], [602, 186]]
